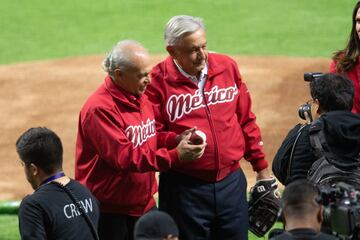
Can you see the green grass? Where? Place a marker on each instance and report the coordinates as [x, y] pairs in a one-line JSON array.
[[9, 227], [40, 29]]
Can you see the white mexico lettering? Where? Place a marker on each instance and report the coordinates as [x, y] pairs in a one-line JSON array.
[[138, 134], [71, 211], [178, 105]]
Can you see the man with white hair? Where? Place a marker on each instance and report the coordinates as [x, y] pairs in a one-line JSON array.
[[207, 198], [117, 142]]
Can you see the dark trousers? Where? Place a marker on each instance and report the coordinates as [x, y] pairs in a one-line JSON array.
[[205, 210], [116, 226]]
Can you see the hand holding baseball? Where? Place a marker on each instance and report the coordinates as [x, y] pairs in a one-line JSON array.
[[182, 136], [188, 151], [198, 137]]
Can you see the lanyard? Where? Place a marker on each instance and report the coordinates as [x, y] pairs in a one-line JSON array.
[[52, 178]]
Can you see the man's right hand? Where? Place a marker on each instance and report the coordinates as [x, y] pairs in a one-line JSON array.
[[188, 151], [182, 136]]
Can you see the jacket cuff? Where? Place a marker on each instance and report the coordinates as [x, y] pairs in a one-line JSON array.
[[174, 157], [259, 164], [171, 140]]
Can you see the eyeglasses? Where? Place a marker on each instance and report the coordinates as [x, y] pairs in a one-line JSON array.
[[310, 102]]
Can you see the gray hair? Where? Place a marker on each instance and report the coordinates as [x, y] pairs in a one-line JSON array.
[[180, 25], [121, 56]]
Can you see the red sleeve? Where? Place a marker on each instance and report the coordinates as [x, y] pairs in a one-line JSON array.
[[117, 150], [254, 152], [166, 137]]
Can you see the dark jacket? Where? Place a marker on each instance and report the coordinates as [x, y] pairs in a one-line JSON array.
[[342, 133], [303, 233]]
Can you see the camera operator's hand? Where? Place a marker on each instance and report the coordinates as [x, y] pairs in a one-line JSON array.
[[308, 118], [188, 151]]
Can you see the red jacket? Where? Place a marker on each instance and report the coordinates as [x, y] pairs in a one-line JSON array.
[[115, 147], [354, 76], [224, 114]]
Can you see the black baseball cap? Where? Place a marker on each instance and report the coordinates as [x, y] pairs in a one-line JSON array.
[[155, 225]]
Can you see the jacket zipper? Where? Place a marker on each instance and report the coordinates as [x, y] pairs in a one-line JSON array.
[[149, 187], [208, 114]]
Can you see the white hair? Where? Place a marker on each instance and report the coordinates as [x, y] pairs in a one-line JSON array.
[[121, 56], [180, 25]]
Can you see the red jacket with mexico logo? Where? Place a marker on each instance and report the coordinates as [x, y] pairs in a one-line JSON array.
[[115, 149], [223, 113]]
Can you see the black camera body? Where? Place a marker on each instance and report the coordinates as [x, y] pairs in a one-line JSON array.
[[342, 210], [306, 107], [312, 76]]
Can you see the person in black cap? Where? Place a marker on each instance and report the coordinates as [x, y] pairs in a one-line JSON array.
[[156, 225]]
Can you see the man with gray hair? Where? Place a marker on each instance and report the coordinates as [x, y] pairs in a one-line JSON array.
[[117, 143], [207, 198]]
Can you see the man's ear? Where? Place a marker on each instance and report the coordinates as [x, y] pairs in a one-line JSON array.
[[171, 50], [284, 219], [317, 107], [34, 169], [118, 73], [320, 216]]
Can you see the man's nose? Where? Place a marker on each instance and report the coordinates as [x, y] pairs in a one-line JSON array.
[[202, 53]]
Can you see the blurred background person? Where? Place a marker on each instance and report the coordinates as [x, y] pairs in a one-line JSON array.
[[346, 61]]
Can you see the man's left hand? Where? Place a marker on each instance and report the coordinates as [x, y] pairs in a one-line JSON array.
[[263, 174], [264, 206]]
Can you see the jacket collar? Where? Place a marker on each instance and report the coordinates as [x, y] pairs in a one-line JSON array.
[[122, 95], [214, 68], [203, 74]]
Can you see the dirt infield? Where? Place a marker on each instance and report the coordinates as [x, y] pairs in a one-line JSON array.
[[51, 93]]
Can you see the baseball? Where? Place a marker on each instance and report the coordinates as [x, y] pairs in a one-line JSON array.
[[198, 137]]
